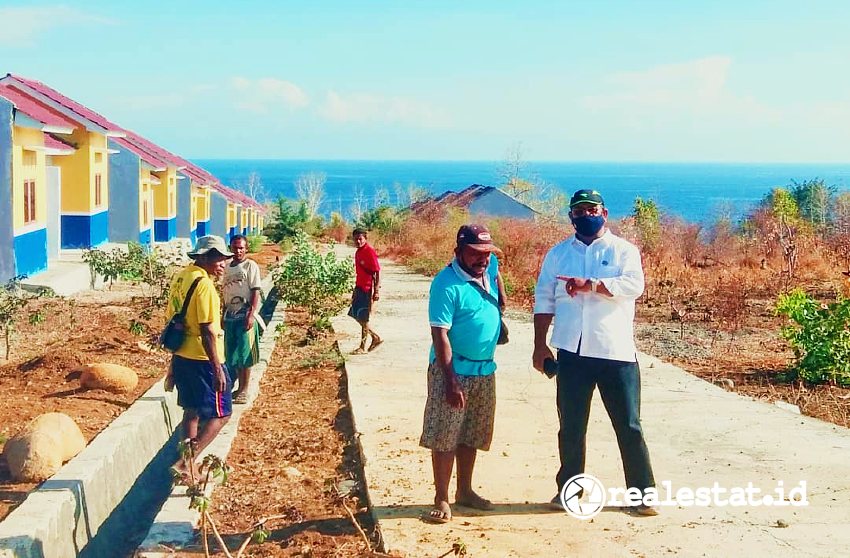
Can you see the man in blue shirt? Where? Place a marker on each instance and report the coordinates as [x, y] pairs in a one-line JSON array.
[[463, 310]]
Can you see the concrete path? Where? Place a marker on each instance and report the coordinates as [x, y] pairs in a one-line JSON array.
[[698, 434]]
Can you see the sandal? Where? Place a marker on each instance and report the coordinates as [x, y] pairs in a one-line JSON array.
[[438, 515], [475, 502], [240, 398]]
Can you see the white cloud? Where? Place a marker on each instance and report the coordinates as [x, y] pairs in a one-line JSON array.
[[265, 95], [695, 89], [21, 26], [369, 107]]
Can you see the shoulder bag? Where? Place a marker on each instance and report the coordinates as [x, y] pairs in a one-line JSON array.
[[174, 333]]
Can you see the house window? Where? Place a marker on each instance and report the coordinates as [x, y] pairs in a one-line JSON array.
[[29, 201], [98, 190], [98, 158], [28, 158], [145, 212]]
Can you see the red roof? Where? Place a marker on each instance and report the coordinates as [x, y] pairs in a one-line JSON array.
[[148, 151], [36, 110], [61, 99], [52, 142]]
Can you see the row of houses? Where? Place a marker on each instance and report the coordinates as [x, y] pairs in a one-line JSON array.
[[71, 179]]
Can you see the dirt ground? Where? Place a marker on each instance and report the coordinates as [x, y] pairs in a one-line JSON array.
[[751, 362], [294, 450], [92, 326], [89, 327]]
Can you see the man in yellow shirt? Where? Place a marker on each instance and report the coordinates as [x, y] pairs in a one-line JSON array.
[[202, 382]]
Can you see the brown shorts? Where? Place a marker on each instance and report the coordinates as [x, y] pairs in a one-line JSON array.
[[445, 428]]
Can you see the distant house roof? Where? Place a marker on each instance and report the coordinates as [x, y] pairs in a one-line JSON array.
[[51, 119], [462, 199], [149, 152]]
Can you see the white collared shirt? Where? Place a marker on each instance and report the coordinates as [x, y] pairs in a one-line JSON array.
[[603, 325]]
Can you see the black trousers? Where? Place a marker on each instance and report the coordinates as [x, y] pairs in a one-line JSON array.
[[619, 386]]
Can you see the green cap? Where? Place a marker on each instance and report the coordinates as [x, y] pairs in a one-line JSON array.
[[586, 196]]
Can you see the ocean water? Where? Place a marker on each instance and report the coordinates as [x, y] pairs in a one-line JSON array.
[[696, 192]]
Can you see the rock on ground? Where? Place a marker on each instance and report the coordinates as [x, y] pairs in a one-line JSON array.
[[38, 451], [109, 377]]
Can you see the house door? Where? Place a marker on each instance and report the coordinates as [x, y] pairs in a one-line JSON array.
[[54, 220]]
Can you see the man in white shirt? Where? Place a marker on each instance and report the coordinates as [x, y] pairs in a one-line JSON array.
[[242, 289], [588, 284]]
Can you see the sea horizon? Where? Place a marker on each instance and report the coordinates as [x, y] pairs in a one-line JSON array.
[[694, 191]]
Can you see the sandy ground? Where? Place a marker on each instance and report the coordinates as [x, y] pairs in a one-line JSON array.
[[698, 434]]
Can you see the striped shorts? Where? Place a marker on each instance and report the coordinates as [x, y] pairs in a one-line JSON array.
[[194, 382]]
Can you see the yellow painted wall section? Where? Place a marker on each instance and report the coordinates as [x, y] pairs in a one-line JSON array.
[[193, 210], [144, 193], [99, 164], [243, 219], [165, 194], [231, 215], [207, 204], [76, 175], [28, 165]]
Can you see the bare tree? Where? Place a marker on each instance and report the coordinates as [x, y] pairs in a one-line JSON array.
[[310, 188], [358, 206], [513, 165], [253, 187]]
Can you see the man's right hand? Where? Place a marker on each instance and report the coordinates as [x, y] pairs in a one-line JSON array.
[[454, 393], [541, 353], [219, 379]]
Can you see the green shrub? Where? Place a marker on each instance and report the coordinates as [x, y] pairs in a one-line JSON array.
[[289, 218], [383, 219], [255, 243], [309, 280], [819, 337], [13, 301]]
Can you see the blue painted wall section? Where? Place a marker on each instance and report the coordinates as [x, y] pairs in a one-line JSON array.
[[31, 252], [233, 232], [184, 207], [145, 238], [164, 229], [218, 215], [123, 194], [85, 231], [7, 250], [203, 228], [193, 236]]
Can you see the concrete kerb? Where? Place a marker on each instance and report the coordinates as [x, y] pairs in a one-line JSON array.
[[65, 512], [175, 524]]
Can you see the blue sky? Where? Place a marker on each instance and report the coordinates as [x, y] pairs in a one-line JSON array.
[[459, 80]]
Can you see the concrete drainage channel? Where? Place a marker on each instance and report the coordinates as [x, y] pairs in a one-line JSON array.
[[116, 495]]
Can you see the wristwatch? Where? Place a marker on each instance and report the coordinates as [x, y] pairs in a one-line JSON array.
[[593, 284]]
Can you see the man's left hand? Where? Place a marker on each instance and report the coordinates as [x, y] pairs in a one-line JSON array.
[[575, 285], [249, 322], [376, 296]]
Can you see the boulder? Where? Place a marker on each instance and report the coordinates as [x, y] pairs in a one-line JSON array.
[[109, 377], [38, 451]]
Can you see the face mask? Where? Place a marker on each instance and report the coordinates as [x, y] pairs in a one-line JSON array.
[[588, 225]]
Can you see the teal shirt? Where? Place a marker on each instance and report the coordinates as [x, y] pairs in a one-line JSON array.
[[471, 315]]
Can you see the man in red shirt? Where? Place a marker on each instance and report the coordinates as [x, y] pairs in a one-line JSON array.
[[366, 290]]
